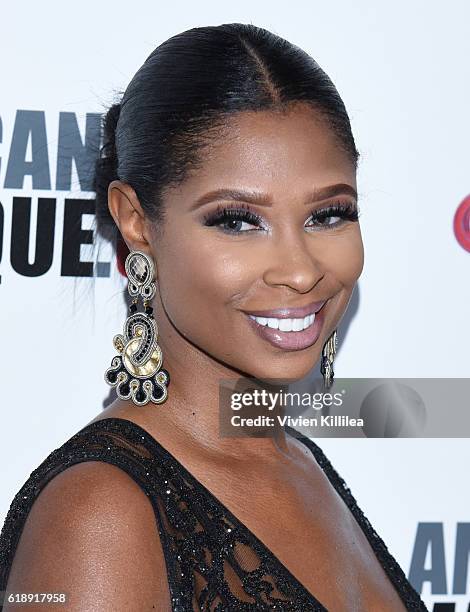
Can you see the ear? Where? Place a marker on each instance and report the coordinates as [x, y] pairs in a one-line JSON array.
[[128, 215]]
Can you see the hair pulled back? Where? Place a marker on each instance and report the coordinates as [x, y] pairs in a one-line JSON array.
[[178, 102]]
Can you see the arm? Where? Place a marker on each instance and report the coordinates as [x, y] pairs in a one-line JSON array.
[[91, 534]]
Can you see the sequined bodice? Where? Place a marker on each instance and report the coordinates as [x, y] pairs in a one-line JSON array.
[[214, 563]]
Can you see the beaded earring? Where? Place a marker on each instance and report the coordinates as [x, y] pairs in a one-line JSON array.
[[328, 356], [136, 372]]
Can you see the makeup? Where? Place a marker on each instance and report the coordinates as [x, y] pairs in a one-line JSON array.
[[289, 328]]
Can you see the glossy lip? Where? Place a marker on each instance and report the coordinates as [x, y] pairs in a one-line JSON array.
[[291, 341], [288, 313]]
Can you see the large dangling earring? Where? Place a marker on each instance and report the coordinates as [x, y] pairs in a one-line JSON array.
[[136, 372], [328, 356]]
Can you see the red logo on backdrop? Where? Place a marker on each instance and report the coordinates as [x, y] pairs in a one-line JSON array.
[[462, 224]]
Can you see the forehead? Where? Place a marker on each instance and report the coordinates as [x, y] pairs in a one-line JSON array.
[[272, 152]]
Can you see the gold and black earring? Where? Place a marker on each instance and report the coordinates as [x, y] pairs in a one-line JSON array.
[[136, 372], [328, 356]]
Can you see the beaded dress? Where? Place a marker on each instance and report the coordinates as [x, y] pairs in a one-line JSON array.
[[214, 563]]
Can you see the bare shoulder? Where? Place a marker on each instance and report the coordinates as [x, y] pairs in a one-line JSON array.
[[92, 534]]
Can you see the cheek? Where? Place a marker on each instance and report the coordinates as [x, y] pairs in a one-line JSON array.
[[343, 257], [202, 271]]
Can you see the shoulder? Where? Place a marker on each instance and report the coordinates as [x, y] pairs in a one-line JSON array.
[[91, 490], [92, 534]]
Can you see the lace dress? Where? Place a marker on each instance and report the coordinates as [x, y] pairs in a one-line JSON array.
[[199, 535]]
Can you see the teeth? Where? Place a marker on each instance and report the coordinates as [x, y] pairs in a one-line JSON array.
[[285, 325]]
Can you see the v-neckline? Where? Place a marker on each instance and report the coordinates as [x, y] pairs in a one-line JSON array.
[[192, 479]]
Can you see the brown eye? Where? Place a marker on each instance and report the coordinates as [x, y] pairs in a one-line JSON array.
[[334, 215], [234, 220]]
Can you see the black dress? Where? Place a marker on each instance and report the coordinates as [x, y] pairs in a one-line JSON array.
[[199, 534]]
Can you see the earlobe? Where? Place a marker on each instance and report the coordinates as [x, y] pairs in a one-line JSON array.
[[128, 215]]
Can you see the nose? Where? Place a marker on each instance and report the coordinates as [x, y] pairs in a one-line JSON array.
[[292, 262]]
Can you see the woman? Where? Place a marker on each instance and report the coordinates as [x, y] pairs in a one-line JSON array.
[[229, 169]]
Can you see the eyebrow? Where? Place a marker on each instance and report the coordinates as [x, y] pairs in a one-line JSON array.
[[261, 199]]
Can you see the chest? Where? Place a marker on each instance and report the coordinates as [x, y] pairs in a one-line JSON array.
[[302, 520]]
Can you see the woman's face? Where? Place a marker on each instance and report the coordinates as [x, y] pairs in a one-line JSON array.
[[271, 253]]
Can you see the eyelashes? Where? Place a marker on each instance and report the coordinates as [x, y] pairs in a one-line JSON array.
[[230, 219], [344, 211], [236, 214]]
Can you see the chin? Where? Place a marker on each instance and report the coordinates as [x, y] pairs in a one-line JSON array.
[[284, 371]]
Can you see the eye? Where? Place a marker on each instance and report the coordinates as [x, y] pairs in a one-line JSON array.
[[234, 220], [333, 216], [237, 219]]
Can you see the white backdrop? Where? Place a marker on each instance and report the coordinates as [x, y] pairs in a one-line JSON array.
[[403, 72]]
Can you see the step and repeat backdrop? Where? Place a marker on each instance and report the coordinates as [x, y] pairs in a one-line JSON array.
[[403, 72]]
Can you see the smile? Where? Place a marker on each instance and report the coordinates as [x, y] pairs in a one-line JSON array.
[[285, 325], [290, 334]]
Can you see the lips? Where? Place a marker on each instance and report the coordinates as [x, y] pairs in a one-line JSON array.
[[290, 340], [288, 313]]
